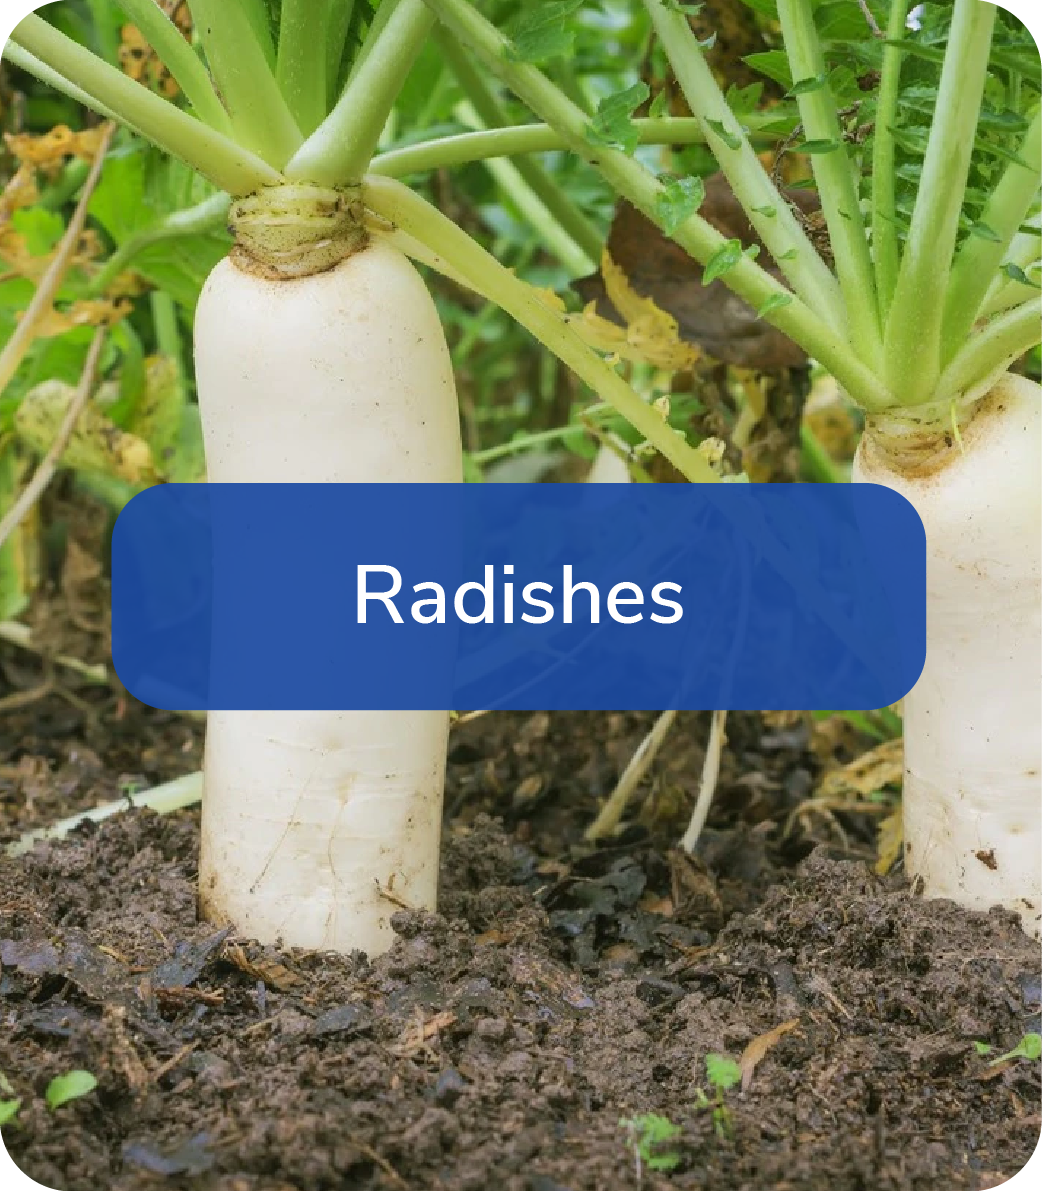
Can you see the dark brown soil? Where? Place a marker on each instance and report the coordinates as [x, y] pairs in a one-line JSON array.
[[560, 989]]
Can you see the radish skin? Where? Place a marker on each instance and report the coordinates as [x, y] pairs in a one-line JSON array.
[[971, 795], [318, 825]]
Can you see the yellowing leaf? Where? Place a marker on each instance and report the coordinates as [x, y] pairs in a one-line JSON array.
[[21, 191], [49, 150], [889, 842], [649, 335], [872, 771], [94, 312], [96, 444]]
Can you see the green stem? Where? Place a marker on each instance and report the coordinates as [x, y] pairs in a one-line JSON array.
[[768, 211], [482, 272], [525, 443], [525, 138], [885, 231], [208, 216], [168, 338], [553, 237], [180, 59], [339, 22], [492, 113], [1025, 251], [992, 350], [642, 189], [834, 177], [301, 65], [385, 10], [260, 116], [339, 151], [57, 60], [67, 184], [912, 339], [980, 257], [256, 14]]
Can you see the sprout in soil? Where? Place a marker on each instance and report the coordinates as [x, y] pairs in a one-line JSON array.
[[929, 301]]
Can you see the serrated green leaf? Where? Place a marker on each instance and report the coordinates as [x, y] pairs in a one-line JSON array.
[[729, 138], [658, 108], [680, 198], [772, 63], [775, 302], [70, 1086], [722, 1071], [9, 1110], [806, 86], [1016, 273], [744, 99], [726, 257], [613, 126], [817, 147], [543, 32]]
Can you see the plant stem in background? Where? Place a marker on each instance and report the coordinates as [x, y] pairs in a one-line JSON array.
[[301, 63], [516, 191], [530, 138], [885, 228], [109, 91], [912, 338], [36, 487], [834, 177], [482, 272], [180, 59], [768, 211], [339, 151], [640, 187], [337, 29], [210, 215], [50, 283], [491, 113], [980, 255], [256, 15], [260, 115], [992, 350]]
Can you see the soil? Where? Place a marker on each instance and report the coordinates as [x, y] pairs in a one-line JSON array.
[[562, 989]]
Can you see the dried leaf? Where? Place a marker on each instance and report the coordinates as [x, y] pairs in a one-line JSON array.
[[96, 444], [187, 962], [95, 312], [48, 151], [275, 974], [759, 1047], [874, 770], [889, 838], [648, 334]]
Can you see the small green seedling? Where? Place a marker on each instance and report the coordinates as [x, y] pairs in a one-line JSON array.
[[8, 1108], [70, 1086], [1030, 1047], [647, 1134], [723, 1073]]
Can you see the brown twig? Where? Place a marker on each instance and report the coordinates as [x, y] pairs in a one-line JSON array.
[[43, 300], [49, 464]]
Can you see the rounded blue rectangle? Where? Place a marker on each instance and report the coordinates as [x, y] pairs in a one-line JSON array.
[[518, 596]]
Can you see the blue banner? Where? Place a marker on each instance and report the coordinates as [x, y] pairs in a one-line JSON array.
[[518, 596]]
